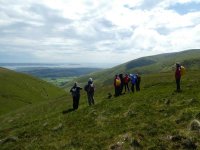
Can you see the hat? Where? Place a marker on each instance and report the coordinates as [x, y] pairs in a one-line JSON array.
[[90, 79]]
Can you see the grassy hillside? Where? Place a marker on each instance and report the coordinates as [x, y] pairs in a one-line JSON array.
[[157, 117], [154, 118], [147, 65], [17, 90]]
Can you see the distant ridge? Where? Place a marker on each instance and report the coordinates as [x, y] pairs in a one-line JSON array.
[[150, 64]]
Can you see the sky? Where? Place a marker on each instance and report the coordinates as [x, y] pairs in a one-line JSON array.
[[96, 31]]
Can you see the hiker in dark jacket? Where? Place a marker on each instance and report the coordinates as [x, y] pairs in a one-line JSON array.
[[122, 83], [126, 81], [138, 82], [178, 77], [117, 85], [75, 91], [90, 88]]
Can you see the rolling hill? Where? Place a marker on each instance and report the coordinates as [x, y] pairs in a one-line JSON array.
[[146, 65], [157, 117], [17, 90]]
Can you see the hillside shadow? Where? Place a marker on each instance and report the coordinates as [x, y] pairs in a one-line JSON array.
[[67, 111], [139, 63]]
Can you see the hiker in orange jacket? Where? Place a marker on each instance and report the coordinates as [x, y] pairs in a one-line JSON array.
[[117, 85]]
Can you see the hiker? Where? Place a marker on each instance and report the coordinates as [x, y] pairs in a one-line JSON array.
[[117, 85], [75, 91], [126, 81], [122, 83], [178, 77], [133, 78], [138, 82], [90, 88]]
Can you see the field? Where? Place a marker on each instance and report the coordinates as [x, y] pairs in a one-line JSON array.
[[157, 117], [59, 81]]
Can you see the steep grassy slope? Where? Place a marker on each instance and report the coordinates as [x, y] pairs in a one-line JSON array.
[[154, 118], [146, 65], [17, 90]]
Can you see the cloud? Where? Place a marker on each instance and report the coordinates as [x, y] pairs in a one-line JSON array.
[[96, 31]]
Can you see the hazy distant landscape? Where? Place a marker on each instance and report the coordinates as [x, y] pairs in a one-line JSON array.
[[59, 73], [62, 64], [22, 66]]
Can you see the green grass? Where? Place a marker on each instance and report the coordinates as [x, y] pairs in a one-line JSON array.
[[143, 117], [59, 81], [154, 118], [18, 90]]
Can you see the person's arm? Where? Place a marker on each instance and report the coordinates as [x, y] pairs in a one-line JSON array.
[[71, 90]]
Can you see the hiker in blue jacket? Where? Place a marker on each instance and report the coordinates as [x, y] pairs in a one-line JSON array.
[[133, 81]]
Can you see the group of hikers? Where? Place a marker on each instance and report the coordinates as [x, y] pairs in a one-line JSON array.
[[75, 91], [120, 82]]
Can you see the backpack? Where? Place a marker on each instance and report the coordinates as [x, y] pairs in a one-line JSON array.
[[133, 79], [74, 91], [86, 87], [183, 70], [117, 82], [126, 79], [91, 88]]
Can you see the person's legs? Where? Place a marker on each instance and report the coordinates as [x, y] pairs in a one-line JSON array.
[[138, 85], [89, 99], [116, 91], [92, 98], [128, 88], [74, 102], [122, 88], [77, 101], [132, 88], [178, 88]]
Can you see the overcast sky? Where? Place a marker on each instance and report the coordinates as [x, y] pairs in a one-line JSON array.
[[108, 31]]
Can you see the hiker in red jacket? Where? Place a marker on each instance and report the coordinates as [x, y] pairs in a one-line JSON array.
[[126, 81], [178, 77]]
